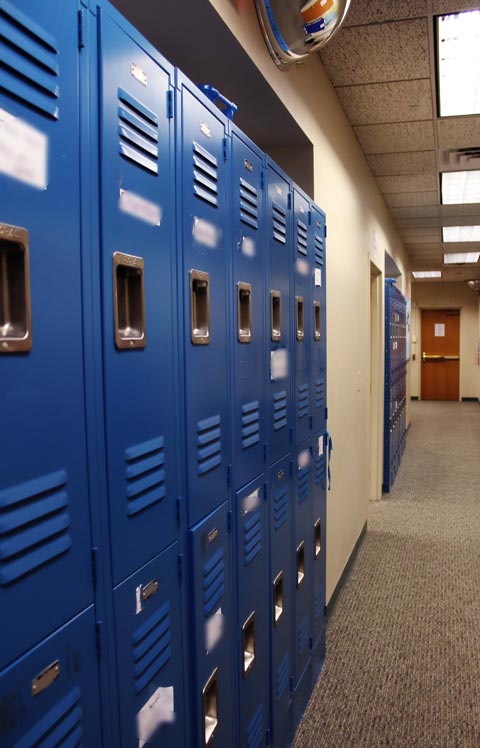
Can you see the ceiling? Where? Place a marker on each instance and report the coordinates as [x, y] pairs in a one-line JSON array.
[[382, 64]]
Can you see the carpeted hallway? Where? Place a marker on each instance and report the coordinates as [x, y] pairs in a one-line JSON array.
[[403, 643]]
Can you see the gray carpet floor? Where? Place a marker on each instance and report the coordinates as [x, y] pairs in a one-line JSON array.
[[403, 642]]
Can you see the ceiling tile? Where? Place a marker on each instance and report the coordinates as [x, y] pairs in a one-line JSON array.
[[453, 6], [396, 137], [413, 223], [382, 52], [460, 211], [414, 211], [375, 11], [420, 236], [458, 132], [404, 101], [412, 183], [411, 198], [386, 164]]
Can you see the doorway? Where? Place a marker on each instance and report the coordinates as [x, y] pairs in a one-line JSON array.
[[376, 379], [440, 364]]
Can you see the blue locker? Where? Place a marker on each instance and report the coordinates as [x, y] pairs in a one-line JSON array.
[[281, 602], [149, 644], [49, 697], [202, 225], [247, 295], [252, 619], [302, 315], [44, 507], [138, 279], [319, 553], [278, 314], [211, 618], [319, 305]]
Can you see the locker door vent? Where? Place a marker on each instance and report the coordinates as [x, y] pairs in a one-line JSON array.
[[60, 727], [280, 507], [248, 204], [145, 474], [29, 55], [302, 484], [213, 582], [255, 730], [302, 237], [319, 603], [280, 410], [319, 251], [319, 392], [282, 678], [320, 469], [303, 635], [138, 132], [205, 175], [279, 223], [252, 538], [34, 525], [250, 424], [209, 444], [151, 647], [303, 396]]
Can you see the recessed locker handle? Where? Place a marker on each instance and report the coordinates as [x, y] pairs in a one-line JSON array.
[[276, 315], [277, 598], [317, 537], [15, 306], [244, 312], [210, 707], [300, 317], [129, 301], [199, 307], [300, 564], [317, 328], [248, 644]]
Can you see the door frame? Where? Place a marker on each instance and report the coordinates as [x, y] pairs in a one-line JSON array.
[[377, 367], [442, 308]]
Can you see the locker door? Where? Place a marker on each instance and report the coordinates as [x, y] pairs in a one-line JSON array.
[[44, 509], [281, 601], [302, 315], [211, 619], [202, 225], [252, 614], [138, 300], [150, 656], [247, 292], [319, 333], [278, 343], [319, 554], [49, 697]]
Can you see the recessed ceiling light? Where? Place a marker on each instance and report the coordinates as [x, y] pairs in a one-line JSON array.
[[460, 187], [459, 63], [456, 258], [426, 273], [461, 233]]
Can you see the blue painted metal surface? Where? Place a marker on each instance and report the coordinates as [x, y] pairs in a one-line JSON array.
[[395, 401], [319, 303], [319, 552]]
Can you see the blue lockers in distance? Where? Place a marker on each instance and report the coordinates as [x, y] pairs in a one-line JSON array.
[[162, 504], [395, 433]]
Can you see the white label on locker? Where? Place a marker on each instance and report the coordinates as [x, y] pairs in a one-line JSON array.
[[320, 446], [301, 266], [139, 207], [318, 277], [138, 600], [251, 502], [23, 151], [206, 233], [205, 129], [139, 74], [248, 247], [214, 630], [304, 459], [278, 364], [158, 710], [278, 190]]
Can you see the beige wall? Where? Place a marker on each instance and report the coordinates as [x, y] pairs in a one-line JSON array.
[[346, 190], [431, 295]]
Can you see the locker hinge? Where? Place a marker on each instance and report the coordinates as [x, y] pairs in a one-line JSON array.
[[94, 560], [291, 467], [311, 423], [309, 217], [81, 29], [225, 149], [179, 510], [268, 736], [291, 436], [289, 203], [262, 180], [326, 414], [325, 231], [170, 104], [265, 490], [229, 521], [229, 475], [265, 452], [98, 637], [180, 565], [291, 685], [310, 644]]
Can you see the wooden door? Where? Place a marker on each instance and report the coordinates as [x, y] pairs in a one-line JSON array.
[[440, 354]]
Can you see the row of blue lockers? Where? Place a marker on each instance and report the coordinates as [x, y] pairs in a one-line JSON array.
[[163, 391], [395, 401]]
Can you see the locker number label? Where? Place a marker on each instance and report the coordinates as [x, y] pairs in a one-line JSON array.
[[23, 151], [139, 74]]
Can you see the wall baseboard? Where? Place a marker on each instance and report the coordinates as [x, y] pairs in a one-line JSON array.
[[345, 574], [470, 400], [414, 397]]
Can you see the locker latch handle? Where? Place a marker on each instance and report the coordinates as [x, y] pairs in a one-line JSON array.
[[129, 301], [276, 315], [199, 307], [277, 598], [300, 317], [248, 644], [317, 537], [210, 707], [15, 306], [317, 329], [244, 312], [300, 564]]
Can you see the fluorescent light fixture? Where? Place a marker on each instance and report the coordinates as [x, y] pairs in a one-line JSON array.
[[459, 63], [460, 187], [427, 273], [461, 233], [455, 258]]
